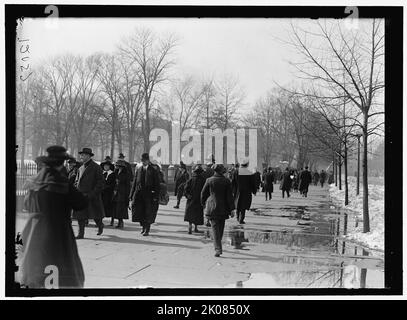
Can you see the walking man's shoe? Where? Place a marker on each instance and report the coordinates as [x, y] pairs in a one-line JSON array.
[[217, 254], [176, 207], [100, 230], [79, 236]]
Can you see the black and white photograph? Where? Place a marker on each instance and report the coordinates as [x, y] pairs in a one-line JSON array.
[[211, 151]]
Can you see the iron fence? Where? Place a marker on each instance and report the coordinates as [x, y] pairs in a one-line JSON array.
[[24, 171]]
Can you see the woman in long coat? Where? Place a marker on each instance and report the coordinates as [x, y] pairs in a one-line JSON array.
[[49, 244], [182, 178], [107, 193], [193, 188], [121, 193]]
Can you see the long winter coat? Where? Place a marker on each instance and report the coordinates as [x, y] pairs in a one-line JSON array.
[[286, 181], [217, 198], [268, 182], [180, 183], [121, 194], [107, 193], [243, 186], [305, 180], [192, 191], [91, 184], [145, 191], [47, 237]]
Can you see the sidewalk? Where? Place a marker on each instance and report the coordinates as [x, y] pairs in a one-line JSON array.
[[275, 248]]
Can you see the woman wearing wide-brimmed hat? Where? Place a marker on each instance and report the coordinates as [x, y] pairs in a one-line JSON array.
[[192, 191], [48, 239], [107, 193], [121, 193]]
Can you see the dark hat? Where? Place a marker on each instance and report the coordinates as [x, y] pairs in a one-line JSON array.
[[198, 168], [87, 151], [55, 153], [145, 156], [120, 163], [183, 165], [219, 168], [109, 163], [72, 160], [306, 167], [108, 159], [121, 155]]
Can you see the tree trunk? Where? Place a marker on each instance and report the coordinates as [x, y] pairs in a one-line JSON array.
[[335, 171], [358, 173], [345, 163], [23, 134], [366, 222], [146, 131], [340, 172]]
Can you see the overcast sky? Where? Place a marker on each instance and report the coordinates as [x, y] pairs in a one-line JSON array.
[[246, 48]]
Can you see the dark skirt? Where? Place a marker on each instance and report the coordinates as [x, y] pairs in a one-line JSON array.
[[194, 213], [48, 243], [121, 210]]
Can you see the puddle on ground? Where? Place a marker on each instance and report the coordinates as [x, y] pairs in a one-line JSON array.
[[315, 245]]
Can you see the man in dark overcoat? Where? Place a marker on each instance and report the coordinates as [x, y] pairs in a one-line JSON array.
[[90, 182], [305, 180], [268, 183], [182, 178], [286, 182], [243, 186], [217, 199], [144, 194]]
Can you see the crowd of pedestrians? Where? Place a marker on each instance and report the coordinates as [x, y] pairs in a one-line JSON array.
[[85, 190]]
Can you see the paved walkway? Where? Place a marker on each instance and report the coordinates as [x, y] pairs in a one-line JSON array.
[[277, 247]]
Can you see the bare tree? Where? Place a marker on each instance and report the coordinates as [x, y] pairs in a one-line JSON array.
[[352, 62], [152, 56]]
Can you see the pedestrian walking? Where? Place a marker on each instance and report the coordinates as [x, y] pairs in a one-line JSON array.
[[48, 239], [129, 168], [217, 199], [268, 182], [243, 186], [144, 194], [316, 178], [193, 209], [305, 180], [73, 167], [182, 178], [322, 178], [121, 193], [107, 193], [163, 197], [257, 179], [285, 184], [90, 182]]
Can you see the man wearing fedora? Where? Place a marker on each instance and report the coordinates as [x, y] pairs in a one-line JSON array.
[[144, 194], [90, 182]]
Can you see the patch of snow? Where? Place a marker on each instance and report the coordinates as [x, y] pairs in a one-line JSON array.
[[374, 238]]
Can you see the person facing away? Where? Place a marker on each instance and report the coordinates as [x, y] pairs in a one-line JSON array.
[[107, 193], [243, 186], [285, 184], [268, 182], [322, 178], [90, 182], [192, 191], [48, 238], [144, 194], [182, 178], [305, 180], [121, 193], [316, 178], [217, 199]]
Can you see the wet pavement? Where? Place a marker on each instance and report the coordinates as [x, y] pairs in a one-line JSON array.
[[286, 243]]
